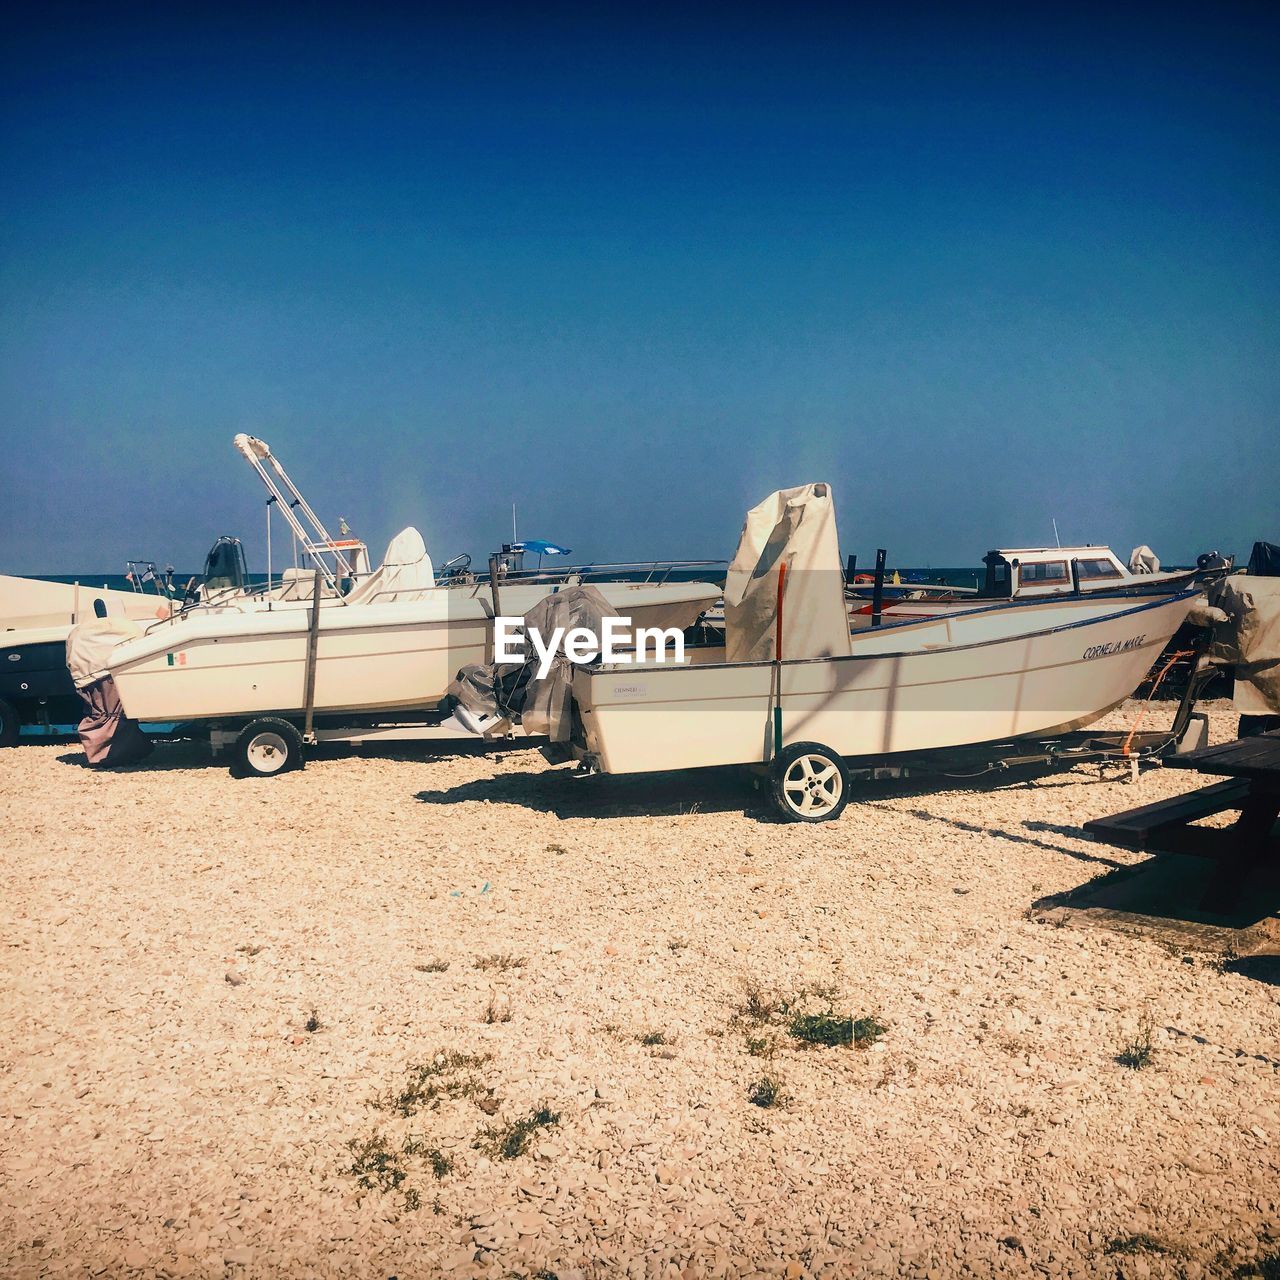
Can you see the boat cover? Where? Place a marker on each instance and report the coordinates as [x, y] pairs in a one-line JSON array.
[[406, 569], [90, 644], [1250, 640], [107, 735], [1143, 560], [1264, 562], [795, 527], [487, 690]]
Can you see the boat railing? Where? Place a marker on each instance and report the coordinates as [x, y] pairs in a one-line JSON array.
[[640, 572]]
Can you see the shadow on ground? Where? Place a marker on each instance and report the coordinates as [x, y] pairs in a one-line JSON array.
[[1160, 898], [559, 792], [171, 754]]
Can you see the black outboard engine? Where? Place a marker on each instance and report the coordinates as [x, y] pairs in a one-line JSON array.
[[1211, 561]]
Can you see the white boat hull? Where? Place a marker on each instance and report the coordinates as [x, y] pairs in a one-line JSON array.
[[1008, 672], [228, 663]]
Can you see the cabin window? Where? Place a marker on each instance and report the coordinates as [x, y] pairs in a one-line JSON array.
[[1097, 569], [1039, 575]]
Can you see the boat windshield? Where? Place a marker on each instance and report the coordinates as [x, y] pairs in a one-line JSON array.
[[224, 566]]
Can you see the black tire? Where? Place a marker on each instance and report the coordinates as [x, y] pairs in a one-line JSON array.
[[10, 724], [267, 747], [809, 783]]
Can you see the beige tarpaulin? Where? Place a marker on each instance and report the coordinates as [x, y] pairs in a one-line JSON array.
[[107, 735], [795, 527], [90, 644], [1250, 641]]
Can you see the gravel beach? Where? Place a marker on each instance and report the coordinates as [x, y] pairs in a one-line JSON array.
[[412, 1014]]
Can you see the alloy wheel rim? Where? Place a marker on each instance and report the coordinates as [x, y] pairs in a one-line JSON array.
[[812, 785]]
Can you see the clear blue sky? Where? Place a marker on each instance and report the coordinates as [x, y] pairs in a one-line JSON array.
[[634, 270]]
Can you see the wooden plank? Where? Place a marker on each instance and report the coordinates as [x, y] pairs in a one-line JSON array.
[[1134, 827], [1263, 748]]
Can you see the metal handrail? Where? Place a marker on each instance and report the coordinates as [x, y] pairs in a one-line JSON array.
[[652, 567]]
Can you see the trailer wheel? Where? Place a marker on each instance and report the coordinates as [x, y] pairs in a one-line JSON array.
[[810, 783], [266, 747], [10, 725]]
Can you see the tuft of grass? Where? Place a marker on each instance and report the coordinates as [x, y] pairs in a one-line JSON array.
[[767, 1092], [1139, 1050], [507, 1141], [412, 1199], [760, 1005], [425, 1085], [441, 1164], [495, 1012], [677, 944], [376, 1166], [832, 1030], [432, 966], [652, 1038], [1266, 1267], [761, 1046], [1139, 1242], [556, 848], [763, 1005], [500, 962], [313, 1022]]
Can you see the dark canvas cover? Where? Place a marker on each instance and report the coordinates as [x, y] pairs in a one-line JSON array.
[[1264, 562], [108, 736], [542, 706]]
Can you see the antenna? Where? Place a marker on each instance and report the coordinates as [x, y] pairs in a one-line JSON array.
[[1056, 540], [513, 523]]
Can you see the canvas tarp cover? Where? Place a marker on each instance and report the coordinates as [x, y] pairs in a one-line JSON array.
[[406, 570], [1143, 560], [1264, 562], [90, 644], [795, 527], [514, 690], [107, 735], [1250, 641]]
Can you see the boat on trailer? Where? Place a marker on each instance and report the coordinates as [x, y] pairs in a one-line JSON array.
[[337, 641], [1016, 669]]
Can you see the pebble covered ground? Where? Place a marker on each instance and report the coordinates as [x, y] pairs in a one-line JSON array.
[[538, 1017]]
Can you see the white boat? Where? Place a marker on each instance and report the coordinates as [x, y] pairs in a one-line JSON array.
[[371, 654], [984, 674], [905, 687], [387, 640], [1016, 573]]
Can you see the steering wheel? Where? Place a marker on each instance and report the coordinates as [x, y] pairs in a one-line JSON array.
[[459, 564]]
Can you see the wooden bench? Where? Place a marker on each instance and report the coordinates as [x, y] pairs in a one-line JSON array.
[[1164, 827], [1252, 766]]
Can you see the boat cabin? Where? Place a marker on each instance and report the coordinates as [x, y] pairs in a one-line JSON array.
[[1048, 571]]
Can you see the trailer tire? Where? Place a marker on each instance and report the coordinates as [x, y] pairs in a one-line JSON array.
[[809, 783], [266, 747], [10, 724]]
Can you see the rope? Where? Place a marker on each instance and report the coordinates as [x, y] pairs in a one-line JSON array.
[[1155, 684]]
